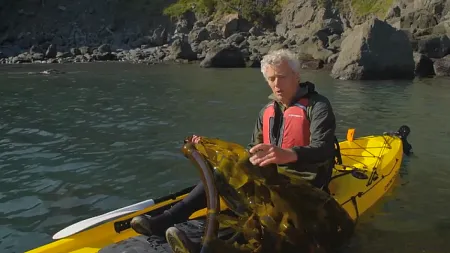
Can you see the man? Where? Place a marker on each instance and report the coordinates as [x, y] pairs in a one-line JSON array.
[[295, 129]]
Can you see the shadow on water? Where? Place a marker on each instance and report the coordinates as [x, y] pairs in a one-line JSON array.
[[102, 136]]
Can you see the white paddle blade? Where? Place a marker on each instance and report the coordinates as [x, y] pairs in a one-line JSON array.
[[98, 220]]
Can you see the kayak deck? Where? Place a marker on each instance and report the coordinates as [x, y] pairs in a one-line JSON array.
[[368, 169]]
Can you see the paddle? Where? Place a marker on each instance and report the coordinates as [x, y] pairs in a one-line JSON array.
[[100, 219]]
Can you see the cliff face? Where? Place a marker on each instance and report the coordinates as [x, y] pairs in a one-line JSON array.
[[66, 24], [136, 30]]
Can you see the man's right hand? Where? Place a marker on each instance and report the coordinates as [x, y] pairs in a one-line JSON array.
[[196, 139]]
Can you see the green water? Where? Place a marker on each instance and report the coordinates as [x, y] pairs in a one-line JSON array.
[[103, 136]]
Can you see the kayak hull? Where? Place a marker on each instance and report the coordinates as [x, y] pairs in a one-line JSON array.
[[369, 167]]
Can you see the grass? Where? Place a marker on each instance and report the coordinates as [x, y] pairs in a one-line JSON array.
[[361, 8], [365, 7], [248, 8]]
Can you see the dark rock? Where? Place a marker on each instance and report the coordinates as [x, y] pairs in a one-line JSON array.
[[104, 56], [198, 35], [394, 12], [332, 26], [51, 51], [75, 51], [35, 49], [424, 65], [375, 50], [63, 55], [199, 24], [236, 38], [79, 58], [254, 61], [159, 36], [256, 31], [104, 48], [214, 31], [181, 49], [442, 66], [434, 46], [234, 23], [225, 56]]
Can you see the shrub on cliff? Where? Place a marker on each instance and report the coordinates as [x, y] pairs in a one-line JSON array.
[[252, 10]]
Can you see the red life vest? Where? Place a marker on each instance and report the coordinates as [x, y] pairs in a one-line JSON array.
[[295, 128]]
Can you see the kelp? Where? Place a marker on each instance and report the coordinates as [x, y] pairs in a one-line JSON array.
[[274, 212]]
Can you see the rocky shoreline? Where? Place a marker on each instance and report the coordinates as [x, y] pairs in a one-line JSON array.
[[413, 40]]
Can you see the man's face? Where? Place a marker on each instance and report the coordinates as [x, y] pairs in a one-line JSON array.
[[283, 81]]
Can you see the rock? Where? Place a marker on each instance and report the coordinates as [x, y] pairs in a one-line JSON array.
[[424, 65], [51, 51], [255, 31], [254, 61], [181, 49], [85, 50], [394, 12], [214, 30], [434, 46], [306, 17], [198, 35], [233, 23], [75, 51], [442, 66], [101, 55], [418, 19], [225, 56], [35, 49], [442, 28], [159, 36], [236, 38], [104, 48], [63, 55], [312, 64], [37, 56], [375, 50]]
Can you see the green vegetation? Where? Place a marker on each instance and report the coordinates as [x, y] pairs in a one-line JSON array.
[[361, 8], [249, 9], [366, 7]]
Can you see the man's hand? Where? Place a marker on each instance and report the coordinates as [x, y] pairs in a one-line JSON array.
[[264, 154], [195, 139]]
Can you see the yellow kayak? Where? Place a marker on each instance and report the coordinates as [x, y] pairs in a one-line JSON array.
[[367, 170]]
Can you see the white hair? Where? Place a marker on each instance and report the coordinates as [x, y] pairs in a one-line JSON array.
[[275, 58]]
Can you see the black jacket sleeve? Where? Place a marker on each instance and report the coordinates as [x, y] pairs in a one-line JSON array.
[[322, 128], [257, 136]]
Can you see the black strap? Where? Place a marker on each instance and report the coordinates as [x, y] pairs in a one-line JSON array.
[[337, 151]]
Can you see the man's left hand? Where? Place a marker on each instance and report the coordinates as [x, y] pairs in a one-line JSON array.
[[264, 154]]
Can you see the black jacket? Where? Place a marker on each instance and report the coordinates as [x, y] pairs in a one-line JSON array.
[[322, 127]]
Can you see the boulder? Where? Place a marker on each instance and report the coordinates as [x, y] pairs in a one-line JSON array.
[[224, 56], [375, 50], [434, 46], [181, 49], [233, 23], [442, 66], [424, 65]]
